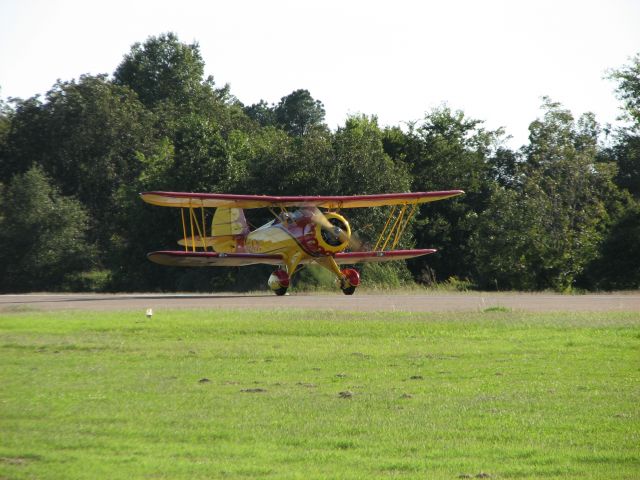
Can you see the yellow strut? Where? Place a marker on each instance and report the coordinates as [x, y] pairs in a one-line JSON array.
[[184, 231], [204, 229], [404, 226], [384, 230], [193, 239], [395, 225], [195, 219]]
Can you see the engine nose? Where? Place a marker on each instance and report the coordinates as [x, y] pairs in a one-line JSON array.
[[333, 232]]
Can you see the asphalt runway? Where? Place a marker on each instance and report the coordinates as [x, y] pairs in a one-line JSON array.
[[429, 302]]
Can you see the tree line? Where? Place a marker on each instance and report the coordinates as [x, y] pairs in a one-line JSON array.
[[562, 212]]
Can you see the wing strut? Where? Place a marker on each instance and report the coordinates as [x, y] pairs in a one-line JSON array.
[[391, 235], [184, 231], [384, 229], [204, 229], [194, 226]]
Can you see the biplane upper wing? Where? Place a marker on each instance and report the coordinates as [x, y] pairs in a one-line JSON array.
[[180, 258], [197, 200]]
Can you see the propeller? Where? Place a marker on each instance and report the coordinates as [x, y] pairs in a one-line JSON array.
[[332, 230]]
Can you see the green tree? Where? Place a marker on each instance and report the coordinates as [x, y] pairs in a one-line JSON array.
[[362, 166], [87, 136], [562, 166], [262, 112], [543, 231], [626, 149], [5, 120], [271, 160], [299, 112], [163, 69], [504, 240], [626, 154], [200, 157], [168, 77], [43, 241], [448, 151], [628, 90], [618, 266]]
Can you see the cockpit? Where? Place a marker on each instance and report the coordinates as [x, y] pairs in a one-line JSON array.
[[288, 218]]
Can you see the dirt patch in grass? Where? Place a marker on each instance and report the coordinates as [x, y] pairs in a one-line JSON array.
[[18, 461]]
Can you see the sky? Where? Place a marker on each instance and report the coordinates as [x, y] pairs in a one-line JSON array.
[[396, 59]]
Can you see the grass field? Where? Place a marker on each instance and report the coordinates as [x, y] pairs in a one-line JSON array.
[[282, 394]]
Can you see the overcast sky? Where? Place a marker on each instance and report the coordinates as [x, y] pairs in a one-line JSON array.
[[396, 59]]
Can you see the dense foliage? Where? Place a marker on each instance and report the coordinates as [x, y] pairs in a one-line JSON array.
[[562, 212]]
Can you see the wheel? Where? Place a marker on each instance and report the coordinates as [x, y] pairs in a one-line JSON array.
[[349, 290], [280, 291], [349, 281], [279, 282]]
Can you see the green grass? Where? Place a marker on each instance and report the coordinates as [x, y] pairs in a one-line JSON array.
[[319, 395]]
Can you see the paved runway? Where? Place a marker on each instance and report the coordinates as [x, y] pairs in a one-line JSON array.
[[429, 302]]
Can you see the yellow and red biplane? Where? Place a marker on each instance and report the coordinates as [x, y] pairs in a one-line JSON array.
[[299, 234]]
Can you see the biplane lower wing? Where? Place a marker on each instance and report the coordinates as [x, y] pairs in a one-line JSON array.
[[179, 258], [350, 258]]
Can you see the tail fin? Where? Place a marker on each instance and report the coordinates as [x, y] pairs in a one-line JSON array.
[[229, 221], [227, 225]]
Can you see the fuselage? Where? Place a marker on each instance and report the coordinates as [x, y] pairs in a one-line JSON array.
[[307, 230]]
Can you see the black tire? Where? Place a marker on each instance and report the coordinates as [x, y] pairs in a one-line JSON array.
[[349, 290], [280, 291]]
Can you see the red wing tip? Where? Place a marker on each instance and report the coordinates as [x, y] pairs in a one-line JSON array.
[[451, 193]]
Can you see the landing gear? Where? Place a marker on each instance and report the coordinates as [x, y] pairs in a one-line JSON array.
[[279, 282], [349, 281], [349, 290]]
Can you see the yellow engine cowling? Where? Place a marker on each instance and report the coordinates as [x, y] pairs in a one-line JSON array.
[[332, 233]]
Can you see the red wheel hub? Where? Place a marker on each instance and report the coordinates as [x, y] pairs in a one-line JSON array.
[[352, 277]]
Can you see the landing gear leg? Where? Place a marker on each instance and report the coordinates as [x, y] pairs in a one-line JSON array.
[[348, 278], [280, 280]]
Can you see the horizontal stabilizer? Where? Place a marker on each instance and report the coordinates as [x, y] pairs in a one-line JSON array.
[[208, 241]]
